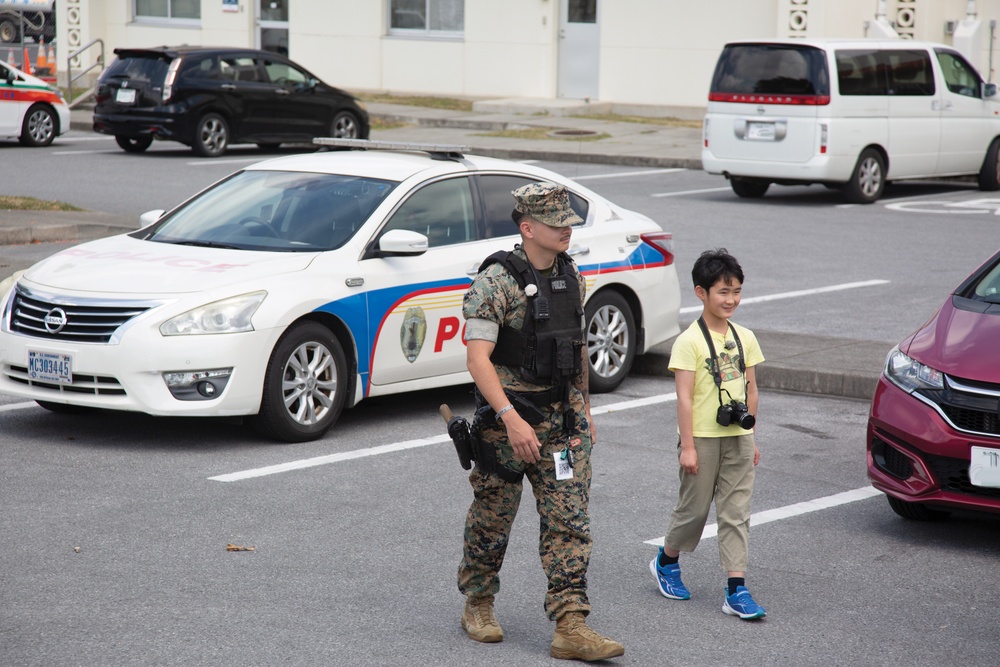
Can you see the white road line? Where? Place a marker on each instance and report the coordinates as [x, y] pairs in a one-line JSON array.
[[93, 152], [408, 444], [687, 192], [789, 511], [17, 406], [624, 174], [795, 294]]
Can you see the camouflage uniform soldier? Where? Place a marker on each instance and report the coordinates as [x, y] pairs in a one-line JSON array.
[[497, 305]]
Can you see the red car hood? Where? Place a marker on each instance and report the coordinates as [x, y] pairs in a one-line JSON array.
[[959, 342]]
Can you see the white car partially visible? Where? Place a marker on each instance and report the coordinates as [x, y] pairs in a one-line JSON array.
[[301, 285], [30, 109]]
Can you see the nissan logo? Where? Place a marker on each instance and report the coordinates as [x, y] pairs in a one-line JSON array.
[[55, 320], [760, 110]]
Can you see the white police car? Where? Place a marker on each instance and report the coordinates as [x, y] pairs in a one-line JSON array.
[[301, 285], [30, 109]]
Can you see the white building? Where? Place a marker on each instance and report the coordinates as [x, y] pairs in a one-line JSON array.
[[642, 55]]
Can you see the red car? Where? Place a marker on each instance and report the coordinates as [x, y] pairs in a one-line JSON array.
[[934, 424]]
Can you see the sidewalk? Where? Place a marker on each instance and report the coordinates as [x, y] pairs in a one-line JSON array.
[[798, 363]]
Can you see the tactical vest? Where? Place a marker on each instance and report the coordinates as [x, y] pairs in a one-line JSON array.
[[547, 348]]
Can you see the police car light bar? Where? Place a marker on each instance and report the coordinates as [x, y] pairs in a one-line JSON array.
[[436, 151]]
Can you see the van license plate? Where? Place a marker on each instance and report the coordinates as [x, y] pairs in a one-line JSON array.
[[50, 367], [760, 131], [984, 467], [125, 96]]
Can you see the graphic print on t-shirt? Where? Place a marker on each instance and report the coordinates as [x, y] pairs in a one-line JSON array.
[[729, 366]]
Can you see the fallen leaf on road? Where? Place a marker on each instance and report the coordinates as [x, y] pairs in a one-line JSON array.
[[236, 547]]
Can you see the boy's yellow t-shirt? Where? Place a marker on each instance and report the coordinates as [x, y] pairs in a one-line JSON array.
[[690, 353]]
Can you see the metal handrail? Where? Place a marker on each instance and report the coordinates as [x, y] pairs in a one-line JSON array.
[[69, 71]]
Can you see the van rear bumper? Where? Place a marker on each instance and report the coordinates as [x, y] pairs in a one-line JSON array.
[[819, 169]]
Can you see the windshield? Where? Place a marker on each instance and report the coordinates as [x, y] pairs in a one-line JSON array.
[[773, 69], [274, 210]]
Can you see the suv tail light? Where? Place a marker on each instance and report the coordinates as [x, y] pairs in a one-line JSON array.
[[663, 242], [168, 82]]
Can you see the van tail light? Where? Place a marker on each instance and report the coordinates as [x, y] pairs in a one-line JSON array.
[[168, 82], [823, 133], [757, 98], [704, 133], [663, 243]]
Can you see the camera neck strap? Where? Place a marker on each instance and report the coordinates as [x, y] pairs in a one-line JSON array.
[[716, 366]]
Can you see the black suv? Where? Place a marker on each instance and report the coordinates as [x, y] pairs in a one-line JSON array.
[[208, 98]]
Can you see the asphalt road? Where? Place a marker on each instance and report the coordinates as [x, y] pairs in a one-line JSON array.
[[117, 525]]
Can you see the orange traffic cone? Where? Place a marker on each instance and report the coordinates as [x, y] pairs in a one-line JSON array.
[[10, 58], [42, 61], [27, 62], [52, 60]]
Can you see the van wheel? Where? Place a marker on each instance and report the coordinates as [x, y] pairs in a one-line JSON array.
[[611, 341], [211, 138], [133, 145], [867, 180], [305, 385], [749, 188], [39, 127], [915, 511], [989, 174]]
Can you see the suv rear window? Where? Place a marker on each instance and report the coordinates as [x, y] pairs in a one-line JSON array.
[[771, 69], [147, 69]]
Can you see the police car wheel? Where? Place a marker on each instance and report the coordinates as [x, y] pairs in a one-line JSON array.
[[39, 127], [305, 385], [611, 340]]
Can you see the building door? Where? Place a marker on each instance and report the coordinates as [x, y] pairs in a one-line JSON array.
[[579, 49], [272, 26]]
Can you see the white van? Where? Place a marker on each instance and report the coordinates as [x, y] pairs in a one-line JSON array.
[[849, 114]]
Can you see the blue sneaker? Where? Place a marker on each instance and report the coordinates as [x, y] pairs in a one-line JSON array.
[[742, 604], [668, 579]]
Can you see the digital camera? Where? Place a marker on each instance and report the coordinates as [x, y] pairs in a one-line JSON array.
[[736, 413]]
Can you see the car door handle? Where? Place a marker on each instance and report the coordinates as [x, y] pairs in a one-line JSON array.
[[473, 270], [228, 86], [578, 250], [281, 91]]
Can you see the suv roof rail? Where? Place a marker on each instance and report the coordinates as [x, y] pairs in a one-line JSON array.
[[436, 151]]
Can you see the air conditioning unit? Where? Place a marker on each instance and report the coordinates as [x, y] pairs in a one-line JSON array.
[[949, 27]]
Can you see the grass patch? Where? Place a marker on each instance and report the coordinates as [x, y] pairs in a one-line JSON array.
[[421, 101], [645, 120], [12, 203], [541, 133], [380, 124]]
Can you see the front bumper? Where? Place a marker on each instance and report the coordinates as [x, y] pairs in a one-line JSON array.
[[915, 455]]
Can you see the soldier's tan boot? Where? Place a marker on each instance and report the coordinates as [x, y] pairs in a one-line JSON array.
[[480, 621], [574, 640]]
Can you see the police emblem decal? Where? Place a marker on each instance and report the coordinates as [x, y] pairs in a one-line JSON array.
[[413, 332]]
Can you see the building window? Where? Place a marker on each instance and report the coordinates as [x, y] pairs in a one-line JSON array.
[[168, 9], [431, 17]]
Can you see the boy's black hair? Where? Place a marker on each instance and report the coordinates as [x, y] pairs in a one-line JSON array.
[[713, 265]]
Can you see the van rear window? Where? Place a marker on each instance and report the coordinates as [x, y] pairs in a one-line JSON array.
[[772, 73]]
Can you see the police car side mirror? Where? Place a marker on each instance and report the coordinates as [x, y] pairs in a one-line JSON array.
[[989, 90], [9, 76], [149, 217], [398, 242]]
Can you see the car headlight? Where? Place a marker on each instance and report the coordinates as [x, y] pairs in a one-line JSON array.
[[221, 317], [910, 375]]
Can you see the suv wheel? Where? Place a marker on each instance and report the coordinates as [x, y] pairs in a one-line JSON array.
[[133, 145], [345, 126], [211, 138], [39, 127]]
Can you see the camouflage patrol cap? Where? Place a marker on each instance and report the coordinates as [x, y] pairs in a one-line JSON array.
[[547, 203]]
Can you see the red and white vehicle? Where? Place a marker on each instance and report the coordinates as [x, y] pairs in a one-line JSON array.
[[301, 285], [30, 109]]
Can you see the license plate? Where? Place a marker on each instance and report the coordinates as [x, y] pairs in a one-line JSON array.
[[984, 467], [125, 96], [760, 131], [50, 367]]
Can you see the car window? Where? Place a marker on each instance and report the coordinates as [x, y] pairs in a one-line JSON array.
[[239, 69], [498, 202], [959, 76], [858, 73], [773, 69], [910, 72], [281, 211], [442, 211], [146, 69], [283, 73], [202, 67], [987, 288]]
